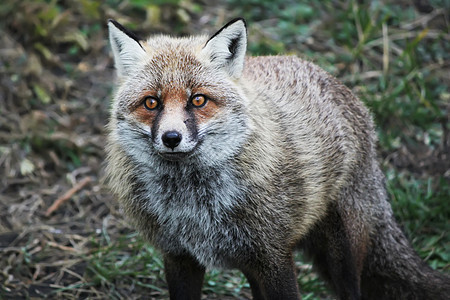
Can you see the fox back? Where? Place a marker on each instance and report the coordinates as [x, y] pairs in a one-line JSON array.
[[223, 160]]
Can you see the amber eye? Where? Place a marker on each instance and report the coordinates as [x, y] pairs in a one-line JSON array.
[[199, 100], [151, 103]]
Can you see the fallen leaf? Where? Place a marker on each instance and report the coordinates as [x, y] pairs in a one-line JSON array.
[[26, 167]]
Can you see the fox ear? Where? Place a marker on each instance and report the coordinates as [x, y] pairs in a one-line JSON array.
[[226, 49], [127, 49]]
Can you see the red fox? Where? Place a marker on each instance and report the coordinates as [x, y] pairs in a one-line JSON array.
[[222, 160]]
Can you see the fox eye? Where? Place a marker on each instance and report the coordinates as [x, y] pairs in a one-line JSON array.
[[199, 100], [151, 103]]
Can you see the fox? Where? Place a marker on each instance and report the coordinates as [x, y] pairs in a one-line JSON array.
[[223, 160]]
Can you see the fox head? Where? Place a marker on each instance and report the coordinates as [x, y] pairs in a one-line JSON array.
[[179, 99]]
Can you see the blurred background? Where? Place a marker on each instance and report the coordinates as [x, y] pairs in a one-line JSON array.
[[63, 236]]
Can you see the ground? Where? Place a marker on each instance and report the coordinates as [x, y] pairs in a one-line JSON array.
[[56, 81]]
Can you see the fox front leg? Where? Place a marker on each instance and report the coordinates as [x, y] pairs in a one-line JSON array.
[[276, 283], [184, 276]]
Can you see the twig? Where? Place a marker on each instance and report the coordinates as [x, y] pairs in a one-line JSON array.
[[58, 202], [61, 247]]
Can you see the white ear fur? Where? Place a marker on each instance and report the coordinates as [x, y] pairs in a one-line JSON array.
[[126, 48], [226, 49]]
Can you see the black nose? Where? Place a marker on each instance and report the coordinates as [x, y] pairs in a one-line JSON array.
[[171, 139]]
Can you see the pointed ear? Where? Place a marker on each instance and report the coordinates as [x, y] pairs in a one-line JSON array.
[[127, 50], [226, 49]]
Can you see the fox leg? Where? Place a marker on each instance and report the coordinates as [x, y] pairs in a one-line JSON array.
[[333, 251], [279, 282], [254, 286], [184, 277]]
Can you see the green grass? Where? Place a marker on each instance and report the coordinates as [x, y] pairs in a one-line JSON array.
[[422, 207], [127, 261]]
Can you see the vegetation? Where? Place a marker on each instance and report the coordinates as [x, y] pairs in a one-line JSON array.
[[56, 75]]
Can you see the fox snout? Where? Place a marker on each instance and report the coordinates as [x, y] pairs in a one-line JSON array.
[[172, 145], [174, 138], [171, 139]]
